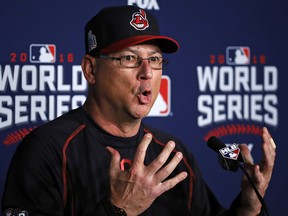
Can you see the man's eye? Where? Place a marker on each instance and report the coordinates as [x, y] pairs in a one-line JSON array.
[[155, 59], [129, 58]]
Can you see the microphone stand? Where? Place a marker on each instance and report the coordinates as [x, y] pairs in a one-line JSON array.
[[233, 165]]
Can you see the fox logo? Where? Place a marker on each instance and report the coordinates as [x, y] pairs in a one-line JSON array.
[[139, 20]]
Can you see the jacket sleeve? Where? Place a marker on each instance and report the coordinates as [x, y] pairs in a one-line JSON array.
[[33, 182], [104, 207]]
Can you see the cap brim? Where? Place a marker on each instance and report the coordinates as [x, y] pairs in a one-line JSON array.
[[166, 44]]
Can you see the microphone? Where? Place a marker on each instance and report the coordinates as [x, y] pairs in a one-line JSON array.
[[229, 156], [230, 159]]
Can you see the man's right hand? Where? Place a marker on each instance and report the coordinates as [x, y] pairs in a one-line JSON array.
[[134, 190]]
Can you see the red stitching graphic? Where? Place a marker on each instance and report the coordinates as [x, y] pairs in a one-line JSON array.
[[234, 129], [17, 136]]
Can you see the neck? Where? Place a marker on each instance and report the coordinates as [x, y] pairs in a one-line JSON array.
[[112, 125]]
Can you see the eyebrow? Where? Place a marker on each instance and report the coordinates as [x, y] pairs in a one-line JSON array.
[[136, 52]]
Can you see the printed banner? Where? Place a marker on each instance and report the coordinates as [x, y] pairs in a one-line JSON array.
[[228, 79]]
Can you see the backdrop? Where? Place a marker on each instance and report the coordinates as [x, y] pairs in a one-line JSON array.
[[228, 79]]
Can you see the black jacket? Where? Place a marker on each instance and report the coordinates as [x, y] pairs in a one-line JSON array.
[[61, 168]]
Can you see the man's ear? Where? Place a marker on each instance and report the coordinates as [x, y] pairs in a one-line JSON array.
[[88, 68]]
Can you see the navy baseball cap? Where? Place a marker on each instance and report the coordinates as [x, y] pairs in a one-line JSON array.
[[115, 28]]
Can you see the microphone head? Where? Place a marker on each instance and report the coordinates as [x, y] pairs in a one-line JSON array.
[[215, 144], [226, 162]]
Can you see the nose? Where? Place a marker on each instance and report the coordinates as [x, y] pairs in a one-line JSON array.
[[145, 71]]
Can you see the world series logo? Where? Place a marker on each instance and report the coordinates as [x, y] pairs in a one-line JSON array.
[[237, 93], [37, 87]]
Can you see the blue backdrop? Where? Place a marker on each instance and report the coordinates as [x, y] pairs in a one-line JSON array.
[[208, 89]]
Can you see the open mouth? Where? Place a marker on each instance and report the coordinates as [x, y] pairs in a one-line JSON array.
[[145, 97], [146, 93]]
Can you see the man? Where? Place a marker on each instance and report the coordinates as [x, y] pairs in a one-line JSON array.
[[100, 159]]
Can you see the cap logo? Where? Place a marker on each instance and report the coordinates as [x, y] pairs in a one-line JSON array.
[[92, 43], [139, 20]]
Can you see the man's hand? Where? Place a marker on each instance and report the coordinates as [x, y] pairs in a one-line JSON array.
[[260, 173], [134, 190]]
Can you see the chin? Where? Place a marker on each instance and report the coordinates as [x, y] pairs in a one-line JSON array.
[[141, 113]]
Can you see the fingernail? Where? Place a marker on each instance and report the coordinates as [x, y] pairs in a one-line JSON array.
[[172, 144], [179, 155], [148, 135], [273, 143], [185, 175]]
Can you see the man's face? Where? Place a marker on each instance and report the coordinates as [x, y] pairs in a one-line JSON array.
[[127, 92]]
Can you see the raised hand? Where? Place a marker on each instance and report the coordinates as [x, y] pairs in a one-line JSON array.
[[134, 190], [260, 173]]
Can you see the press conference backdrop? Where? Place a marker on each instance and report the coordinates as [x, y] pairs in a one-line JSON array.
[[228, 79]]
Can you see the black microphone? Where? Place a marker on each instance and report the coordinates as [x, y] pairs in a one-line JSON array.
[[230, 159], [229, 156]]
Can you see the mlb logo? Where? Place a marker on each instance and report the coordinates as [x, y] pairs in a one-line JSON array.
[[162, 104], [238, 55], [42, 53], [230, 152]]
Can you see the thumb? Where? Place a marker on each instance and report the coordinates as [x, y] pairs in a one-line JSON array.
[[246, 154], [115, 161]]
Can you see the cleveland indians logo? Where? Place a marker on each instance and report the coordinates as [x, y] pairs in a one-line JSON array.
[[139, 20]]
